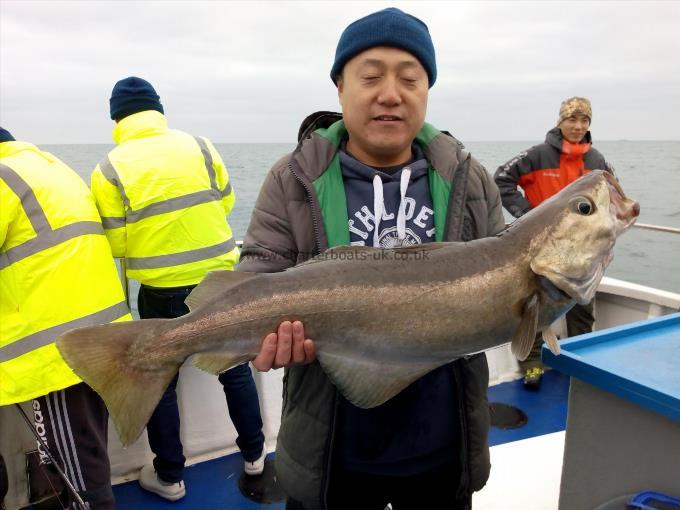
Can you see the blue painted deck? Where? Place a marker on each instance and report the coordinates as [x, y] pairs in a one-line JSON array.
[[214, 484], [545, 408], [211, 484]]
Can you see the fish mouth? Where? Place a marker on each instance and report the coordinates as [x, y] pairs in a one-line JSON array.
[[582, 290], [624, 210]]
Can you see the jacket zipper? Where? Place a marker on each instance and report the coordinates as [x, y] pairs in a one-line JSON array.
[[310, 199], [463, 488], [329, 449], [317, 242]]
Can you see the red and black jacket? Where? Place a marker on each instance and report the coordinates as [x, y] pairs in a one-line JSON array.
[[545, 169]]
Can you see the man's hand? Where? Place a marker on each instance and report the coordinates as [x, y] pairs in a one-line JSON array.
[[288, 346]]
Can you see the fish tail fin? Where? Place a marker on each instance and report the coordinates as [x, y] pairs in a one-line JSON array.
[[106, 358]]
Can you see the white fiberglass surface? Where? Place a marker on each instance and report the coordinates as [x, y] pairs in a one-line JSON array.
[[524, 475]]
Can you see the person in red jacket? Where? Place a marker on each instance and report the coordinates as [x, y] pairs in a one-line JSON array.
[[541, 172]]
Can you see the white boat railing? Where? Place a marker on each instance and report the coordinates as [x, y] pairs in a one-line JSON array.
[[657, 228]]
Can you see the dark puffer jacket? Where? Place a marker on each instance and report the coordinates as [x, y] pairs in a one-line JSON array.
[[545, 169], [293, 221]]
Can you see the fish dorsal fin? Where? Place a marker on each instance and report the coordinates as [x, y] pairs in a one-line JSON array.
[[427, 247], [366, 252], [550, 338], [367, 383], [340, 253], [523, 339], [218, 362], [214, 284]]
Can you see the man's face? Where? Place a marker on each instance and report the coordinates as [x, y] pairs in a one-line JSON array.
[[574, 128], [383, 94]]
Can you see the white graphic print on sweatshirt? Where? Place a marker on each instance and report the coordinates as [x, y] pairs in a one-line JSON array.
[[388, 210]]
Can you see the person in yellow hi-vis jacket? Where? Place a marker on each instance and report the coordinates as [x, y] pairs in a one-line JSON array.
[[56, 274], [164, 196]]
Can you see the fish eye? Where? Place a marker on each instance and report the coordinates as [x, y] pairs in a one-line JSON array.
[[583, 206]]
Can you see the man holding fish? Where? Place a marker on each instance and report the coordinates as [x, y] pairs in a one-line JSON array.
[[379, 177]]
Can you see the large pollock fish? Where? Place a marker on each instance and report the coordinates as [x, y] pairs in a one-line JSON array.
[[380, 319]]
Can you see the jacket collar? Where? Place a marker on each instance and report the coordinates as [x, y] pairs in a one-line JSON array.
[[11, 148], [140, 125], [555, 139], [322, 133]]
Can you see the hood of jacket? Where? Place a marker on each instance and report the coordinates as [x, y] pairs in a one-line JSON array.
[[11, 148], [140, 125]]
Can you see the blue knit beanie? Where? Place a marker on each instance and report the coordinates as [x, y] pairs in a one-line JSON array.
[[133, 95], [389, 27], [5, 136]]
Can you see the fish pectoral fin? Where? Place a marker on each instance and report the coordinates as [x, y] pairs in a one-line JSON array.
[[368, 383], [524, 337], [550, 338], [214, 284], [219, 362]]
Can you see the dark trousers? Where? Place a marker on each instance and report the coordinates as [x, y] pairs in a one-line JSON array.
[[580, 320], [239, 389], [357, 491], [4, 482], [73, 423]]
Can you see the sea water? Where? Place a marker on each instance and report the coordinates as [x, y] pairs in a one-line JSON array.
[[649, 172]]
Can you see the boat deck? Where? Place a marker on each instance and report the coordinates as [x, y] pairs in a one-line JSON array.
[[534, 449]]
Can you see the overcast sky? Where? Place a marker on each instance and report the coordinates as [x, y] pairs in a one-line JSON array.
[[251, 71]]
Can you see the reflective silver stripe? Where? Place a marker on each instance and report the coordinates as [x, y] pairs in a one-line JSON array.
[[109, 172], [45, 237], [183, 257], [49, 239], [27, 197], [47, 336], [173, 204], [208, 162], [113, 222], [227, 190], [211, 170]]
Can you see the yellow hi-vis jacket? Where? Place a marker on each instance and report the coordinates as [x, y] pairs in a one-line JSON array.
[[56, 270], [164, 197]]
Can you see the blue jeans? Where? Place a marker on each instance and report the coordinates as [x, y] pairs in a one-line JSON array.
[[239, 389]]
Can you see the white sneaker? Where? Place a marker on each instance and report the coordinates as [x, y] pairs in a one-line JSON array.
[[149, 480], [257, 466]]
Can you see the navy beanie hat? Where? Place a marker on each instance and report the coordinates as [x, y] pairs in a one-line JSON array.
[[5, 136], [389, 27], [133, 95]]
